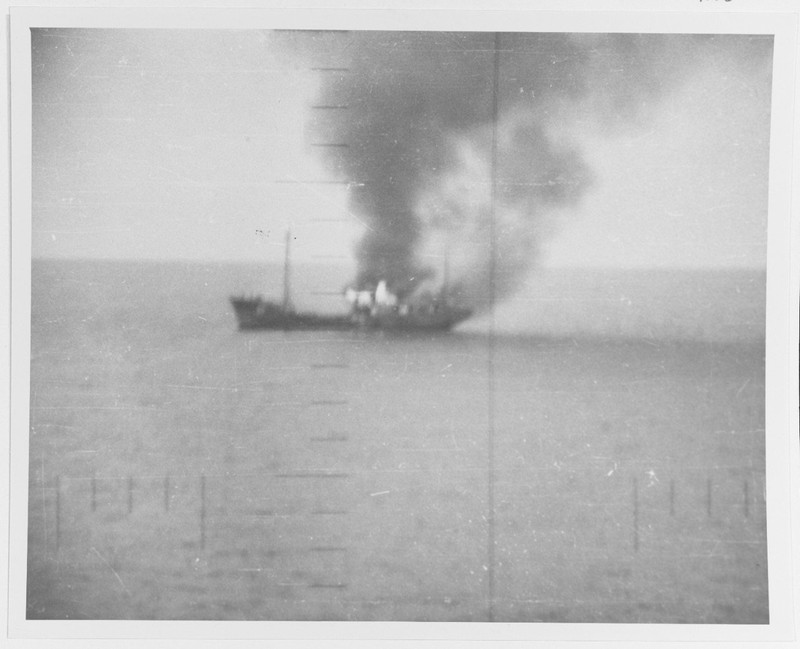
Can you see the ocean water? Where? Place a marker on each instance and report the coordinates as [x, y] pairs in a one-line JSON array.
[[601, 465]]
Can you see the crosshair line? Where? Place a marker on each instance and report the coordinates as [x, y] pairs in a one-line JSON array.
[[490, 378]]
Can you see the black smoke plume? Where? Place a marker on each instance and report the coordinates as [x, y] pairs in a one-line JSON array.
[[454, 142]]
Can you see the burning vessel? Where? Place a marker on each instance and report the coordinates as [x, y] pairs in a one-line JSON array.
[[370, 308], [382, 309]]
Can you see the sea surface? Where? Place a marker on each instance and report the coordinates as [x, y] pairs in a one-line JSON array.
[[600, 458]]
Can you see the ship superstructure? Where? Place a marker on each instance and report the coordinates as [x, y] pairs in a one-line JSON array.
[[370, 308]]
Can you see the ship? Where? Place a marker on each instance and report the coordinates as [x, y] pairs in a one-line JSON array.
[[371, 308], [376, 307]]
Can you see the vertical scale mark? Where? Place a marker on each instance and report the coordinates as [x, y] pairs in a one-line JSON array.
[[746, 495], [202, 512], [672, 497], [44, 502], [491, 355], [58, 512], [708, 496], [635, 514]]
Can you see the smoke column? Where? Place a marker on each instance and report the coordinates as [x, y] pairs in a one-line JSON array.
[[417, 138]]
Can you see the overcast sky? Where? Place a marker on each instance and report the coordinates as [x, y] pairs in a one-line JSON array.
[[165, 144]]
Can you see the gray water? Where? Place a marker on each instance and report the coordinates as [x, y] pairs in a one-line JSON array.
[[583, 469]]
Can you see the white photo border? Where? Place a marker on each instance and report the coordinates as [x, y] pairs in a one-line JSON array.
[[777, 18]]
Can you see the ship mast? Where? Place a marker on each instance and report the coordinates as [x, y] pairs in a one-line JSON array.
[[287, 301]]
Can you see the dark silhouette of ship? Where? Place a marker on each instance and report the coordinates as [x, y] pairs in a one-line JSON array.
[[370, 309], [375, 307], [258, 313]]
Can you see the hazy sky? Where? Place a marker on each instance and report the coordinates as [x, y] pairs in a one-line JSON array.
[[166, 144]]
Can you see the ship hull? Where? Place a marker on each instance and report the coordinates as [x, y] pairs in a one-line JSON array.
[[442, 319], [257, 313]]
